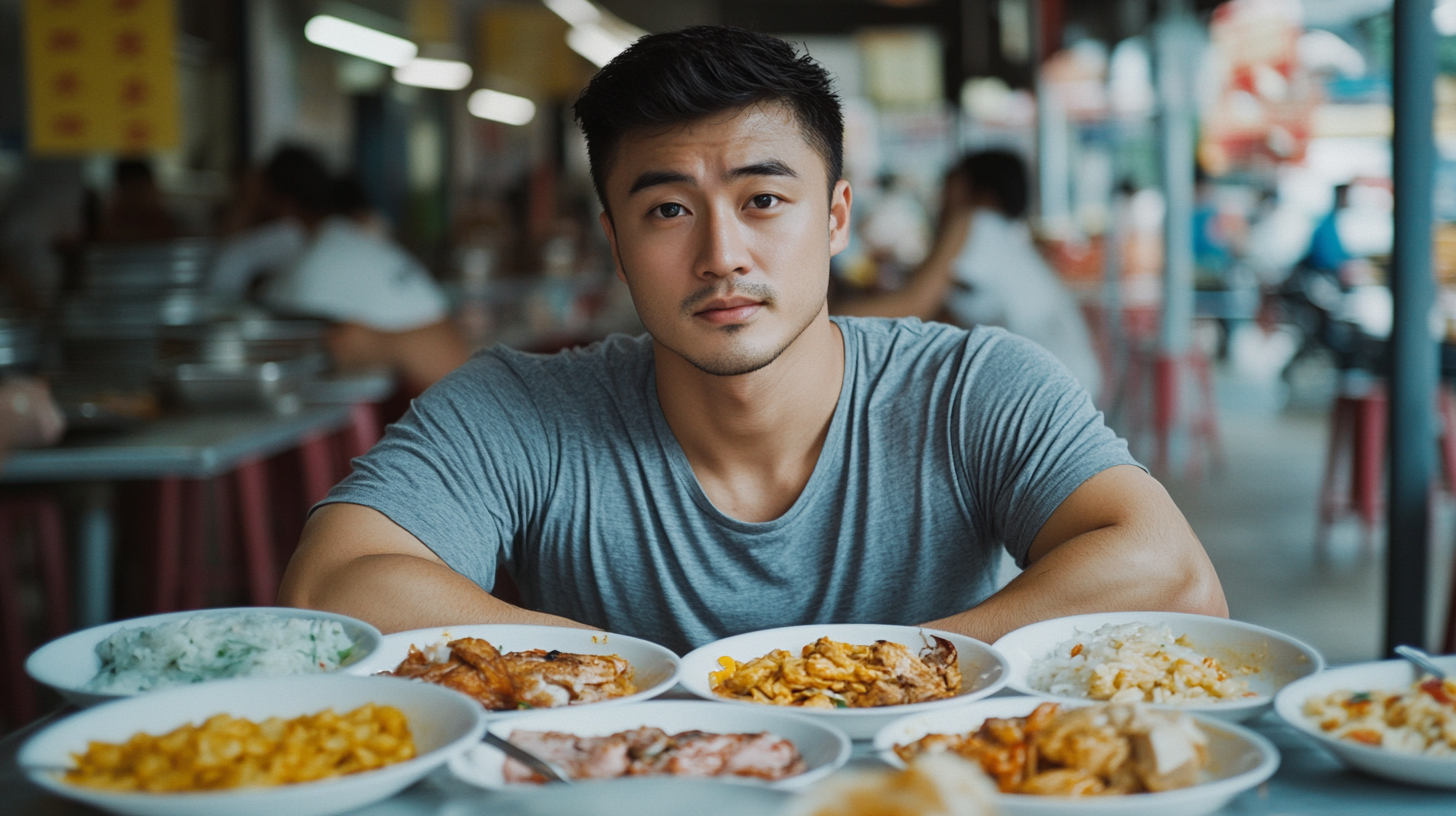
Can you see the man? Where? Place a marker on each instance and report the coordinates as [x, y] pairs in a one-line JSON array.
[[749, 463], [385, 309]]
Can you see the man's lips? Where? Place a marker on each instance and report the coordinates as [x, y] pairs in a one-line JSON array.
[[724, 311]]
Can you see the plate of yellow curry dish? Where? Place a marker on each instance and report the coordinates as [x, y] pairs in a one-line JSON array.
[[304, 746], [1076, 759], [855, 676]]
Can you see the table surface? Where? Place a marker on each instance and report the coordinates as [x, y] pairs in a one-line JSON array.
[[1310, 781], [197, 446]]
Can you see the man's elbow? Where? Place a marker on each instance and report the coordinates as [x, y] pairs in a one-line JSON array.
[[1198, 589]]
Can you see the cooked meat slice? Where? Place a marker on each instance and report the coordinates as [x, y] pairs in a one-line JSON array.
[[919, 680], [414, 664], [880, 693], [548, 679], [944, 659], [765, 756], [580, 757], [1169, 755], [696, 753], [1084, 738]]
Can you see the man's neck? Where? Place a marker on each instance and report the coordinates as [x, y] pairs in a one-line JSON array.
[[753, 440]]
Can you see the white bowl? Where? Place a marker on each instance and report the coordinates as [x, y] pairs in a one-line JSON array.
[[983, 669], [1238, 759], [1279, 658], [823, 747], [1384, 675], [443, 723], [68, 663], [655, 668]]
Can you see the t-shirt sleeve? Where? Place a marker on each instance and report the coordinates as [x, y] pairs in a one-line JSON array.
[[1030, 436], [463, 471]]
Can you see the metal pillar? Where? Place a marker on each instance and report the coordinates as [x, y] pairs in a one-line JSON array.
[[1413, 363], [1177, 40]]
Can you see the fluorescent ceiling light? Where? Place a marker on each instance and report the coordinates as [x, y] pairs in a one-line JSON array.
[[361, 41], [576, 12], [1444, 16], [501, 107], [421, 72], [596, 43]]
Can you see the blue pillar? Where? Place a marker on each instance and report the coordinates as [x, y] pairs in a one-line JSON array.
[[1413, 363]]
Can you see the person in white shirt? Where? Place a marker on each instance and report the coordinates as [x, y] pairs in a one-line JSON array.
[[385, 308], [985, 269]]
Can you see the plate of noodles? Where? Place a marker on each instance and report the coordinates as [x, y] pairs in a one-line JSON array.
[[302, 745], [1385, 718], [854, 676], [1212, 666], [1089, 758]]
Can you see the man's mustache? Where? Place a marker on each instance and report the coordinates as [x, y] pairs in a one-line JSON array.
[[758, 291]]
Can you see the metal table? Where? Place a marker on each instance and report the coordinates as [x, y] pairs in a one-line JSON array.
[[193, 447], [1309, 781]]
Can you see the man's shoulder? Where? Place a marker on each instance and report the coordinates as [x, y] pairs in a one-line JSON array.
[[619, 361], [902, 336]]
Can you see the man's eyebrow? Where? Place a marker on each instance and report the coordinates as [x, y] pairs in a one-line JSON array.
[[772, 167], [653, 178]]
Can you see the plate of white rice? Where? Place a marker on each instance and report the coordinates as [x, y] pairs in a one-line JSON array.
[[130, 657], [1212, 666]]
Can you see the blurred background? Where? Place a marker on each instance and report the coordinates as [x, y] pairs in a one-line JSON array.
[[236, 236]]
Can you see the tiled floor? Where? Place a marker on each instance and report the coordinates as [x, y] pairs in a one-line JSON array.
[[1257, 520]]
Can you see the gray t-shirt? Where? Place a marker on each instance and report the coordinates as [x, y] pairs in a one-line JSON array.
[[944, 445]]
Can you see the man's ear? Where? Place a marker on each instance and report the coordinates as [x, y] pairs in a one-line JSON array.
[[839, 202], [611, 231]]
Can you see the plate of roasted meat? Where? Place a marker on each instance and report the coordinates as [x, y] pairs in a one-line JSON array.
[[683, 739], [855, 676], [513, 669]]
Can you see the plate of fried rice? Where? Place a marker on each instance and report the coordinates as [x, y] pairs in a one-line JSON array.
[[1211, 666], [1385, 718]]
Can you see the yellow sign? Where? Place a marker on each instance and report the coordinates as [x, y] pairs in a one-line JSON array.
[[101, 76]]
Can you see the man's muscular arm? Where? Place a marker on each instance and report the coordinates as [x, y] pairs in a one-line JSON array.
[[355, 561], [1118, 543]]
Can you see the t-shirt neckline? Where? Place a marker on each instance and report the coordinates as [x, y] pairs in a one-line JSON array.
[[682, 470]]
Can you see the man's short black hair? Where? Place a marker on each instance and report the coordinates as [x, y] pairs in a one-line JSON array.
[[671, 79], [1002, 174], [299, 175]]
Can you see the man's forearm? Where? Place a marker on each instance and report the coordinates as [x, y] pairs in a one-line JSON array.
[[1111, 569], [401, 592]]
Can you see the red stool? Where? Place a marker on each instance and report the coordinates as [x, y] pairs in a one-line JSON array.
[[1147, 400], [42, 515]]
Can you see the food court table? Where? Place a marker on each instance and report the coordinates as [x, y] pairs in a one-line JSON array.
[[1309, 781], [196, 447]]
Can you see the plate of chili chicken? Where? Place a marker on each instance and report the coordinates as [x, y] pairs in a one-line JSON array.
[[511, 669], [1049, 758]]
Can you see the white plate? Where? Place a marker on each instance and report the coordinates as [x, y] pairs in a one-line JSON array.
[[1384, 675], [443, 723], [823, 747], [1280, 659], [635, 796], [68, 663], [1238, 759], [655, 668], [983, 670]]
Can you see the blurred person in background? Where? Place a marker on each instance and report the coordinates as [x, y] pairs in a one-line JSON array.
[[385, 308], [135, 210], [985, 269]]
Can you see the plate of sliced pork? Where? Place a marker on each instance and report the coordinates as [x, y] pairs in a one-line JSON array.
[[514, 669], [663, 738]]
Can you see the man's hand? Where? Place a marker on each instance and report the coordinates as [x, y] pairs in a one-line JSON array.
[[355, 561], [1118, 543]]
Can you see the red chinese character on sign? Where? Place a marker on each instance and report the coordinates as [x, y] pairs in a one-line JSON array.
[[135, 91], [68, 125], [66, 83], [137, 133], [130, 44], [62, 40]]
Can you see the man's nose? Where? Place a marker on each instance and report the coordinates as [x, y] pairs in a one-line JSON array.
[[724, 244]]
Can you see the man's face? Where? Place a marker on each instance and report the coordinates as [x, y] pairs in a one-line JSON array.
[[723, 233]]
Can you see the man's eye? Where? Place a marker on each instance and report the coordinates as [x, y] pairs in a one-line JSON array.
[[764, 200], [670, 210]]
